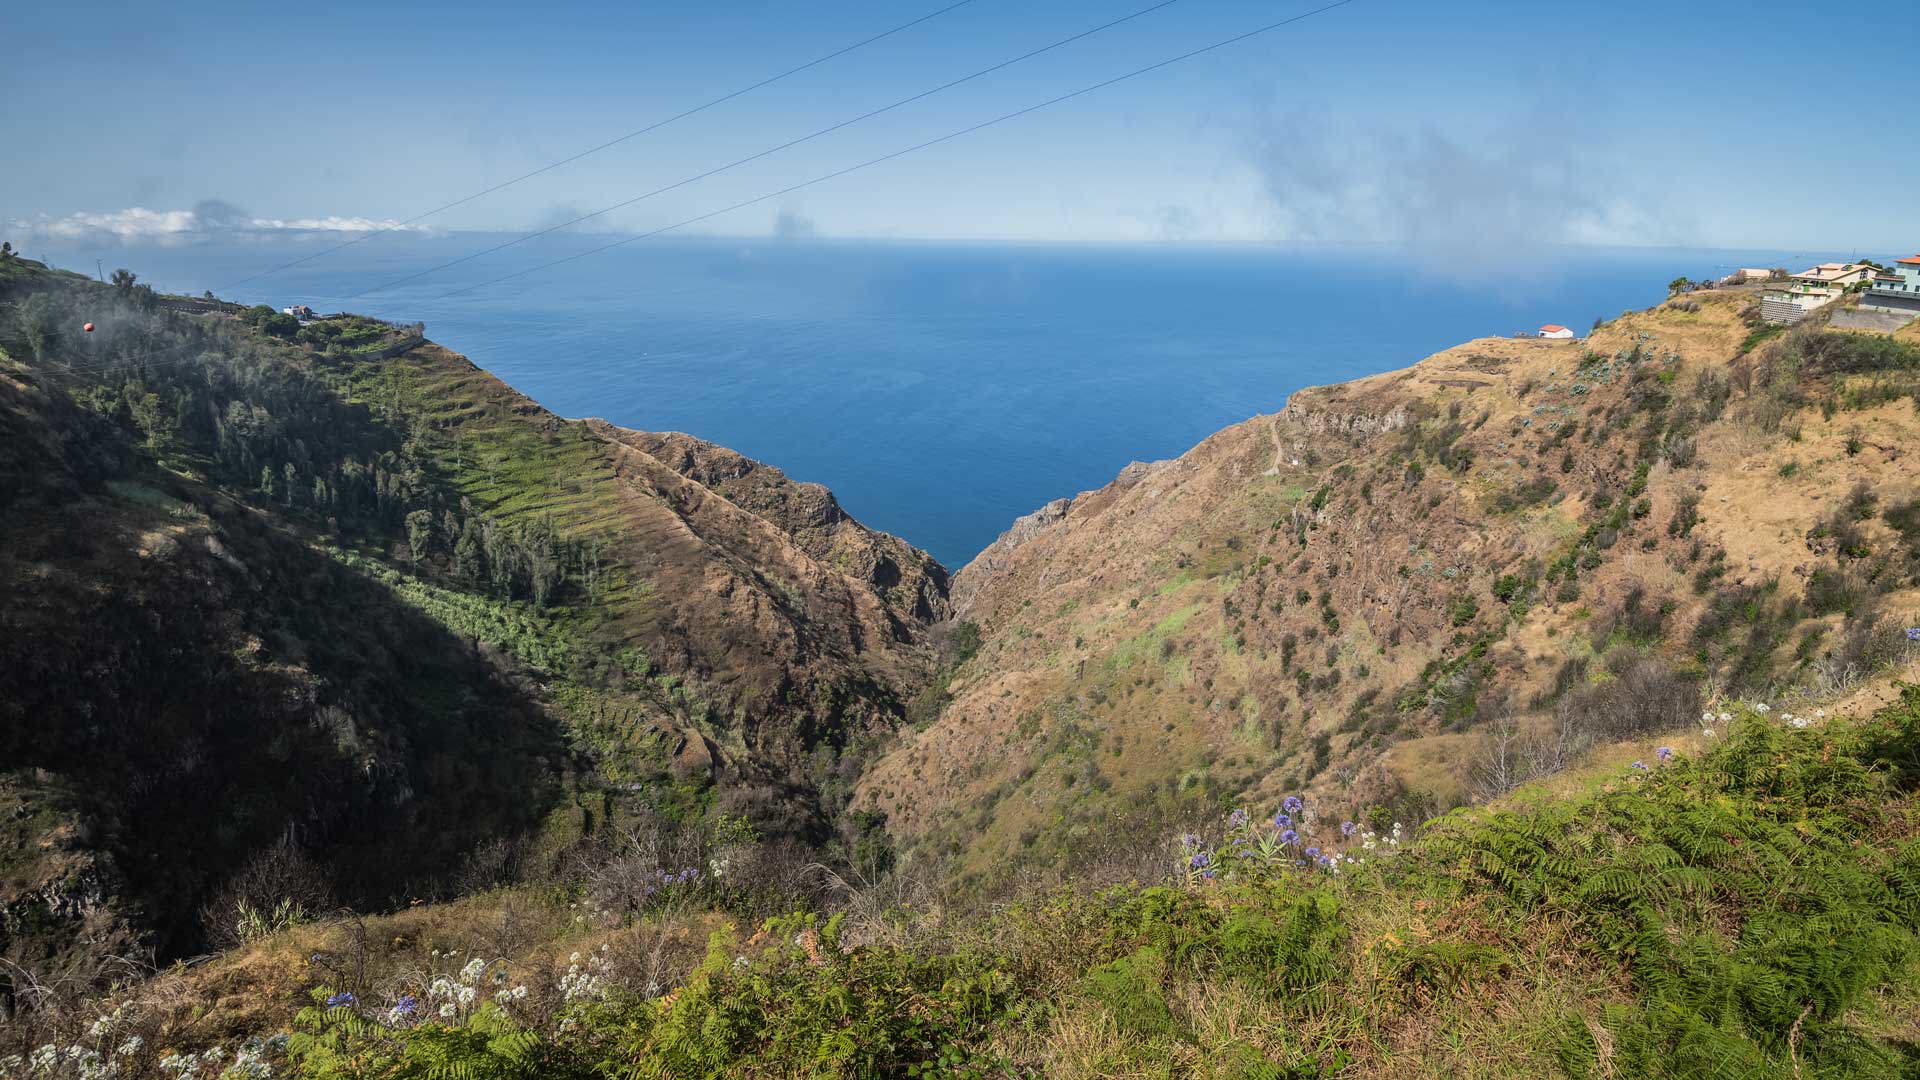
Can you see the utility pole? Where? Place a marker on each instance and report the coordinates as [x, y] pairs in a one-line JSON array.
[[99, 271]]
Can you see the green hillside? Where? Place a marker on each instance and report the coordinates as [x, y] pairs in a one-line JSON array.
[[327, 601]]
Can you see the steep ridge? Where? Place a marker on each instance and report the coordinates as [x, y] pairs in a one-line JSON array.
[[1419, 588], [910, 581], [330, 595]]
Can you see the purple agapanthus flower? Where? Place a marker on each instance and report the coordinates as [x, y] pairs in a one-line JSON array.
[[1237, 819], [1282, 820], [1313, 853], [1289, 837], [1913, 633], [406, 1005], [1292, 804], [1641, 765], [1663, 752], [337, 1000], [1200, 860], [1348, 828], [1189, 841]]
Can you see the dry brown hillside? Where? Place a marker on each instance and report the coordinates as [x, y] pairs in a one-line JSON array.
[[1560, 541]]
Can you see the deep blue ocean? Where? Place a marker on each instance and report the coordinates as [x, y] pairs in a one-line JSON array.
[[939, 390]]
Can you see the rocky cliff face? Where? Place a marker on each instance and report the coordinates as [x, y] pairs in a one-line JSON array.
[[913, 585], [1347, 595]]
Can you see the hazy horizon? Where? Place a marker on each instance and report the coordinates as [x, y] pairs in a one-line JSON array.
[[1475, 138]]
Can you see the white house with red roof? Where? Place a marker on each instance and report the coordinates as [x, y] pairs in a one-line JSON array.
[[1555, 330]]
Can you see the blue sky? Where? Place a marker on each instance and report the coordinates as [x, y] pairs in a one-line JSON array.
[[1460, 130]]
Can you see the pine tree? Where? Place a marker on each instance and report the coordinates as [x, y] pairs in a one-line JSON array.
[[419, 535], [469, 561]]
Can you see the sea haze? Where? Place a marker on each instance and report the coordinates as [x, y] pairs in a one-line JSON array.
[[939, 390]]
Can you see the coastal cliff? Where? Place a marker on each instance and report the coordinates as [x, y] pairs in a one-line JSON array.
[[1354, 595]]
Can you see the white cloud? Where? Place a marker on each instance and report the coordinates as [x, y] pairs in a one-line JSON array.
[[1487, 204], [209, 220], [793, 225]]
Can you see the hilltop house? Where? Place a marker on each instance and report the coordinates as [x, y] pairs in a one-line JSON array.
[[1835, 275], [1810, 290], [1746, 274], [1895, 289], [1552, 330], [1788, 304], [298, 311]]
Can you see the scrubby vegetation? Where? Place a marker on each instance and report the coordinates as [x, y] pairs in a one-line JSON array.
[[1748, 910]]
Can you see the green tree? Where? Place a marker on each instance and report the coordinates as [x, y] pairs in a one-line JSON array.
[[543, 566], [154, 421], [6, 252], [966, 641], [266, 481], [292, 485], [123, 279], [37, 321], [1678, 284], [469, 560], [419, 535]]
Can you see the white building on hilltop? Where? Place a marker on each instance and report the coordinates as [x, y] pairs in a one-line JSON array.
[[1555, 330], [1810, 290], [1835, 275]]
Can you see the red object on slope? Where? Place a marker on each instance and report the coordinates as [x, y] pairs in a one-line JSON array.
[[88, 328]]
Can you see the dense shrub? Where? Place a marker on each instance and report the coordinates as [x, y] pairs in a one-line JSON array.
[[1645, 695]]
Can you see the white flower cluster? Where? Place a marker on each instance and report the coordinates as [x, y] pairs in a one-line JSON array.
[[1803, 723], [1795, 721], [459, 993], [76, 1062], [594, 913], [586, 976], [1369, 841], [453, 995], [1372, 841]]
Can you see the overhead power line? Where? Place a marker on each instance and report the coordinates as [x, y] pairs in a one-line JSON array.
[[655, 126], [968, 130], [828, 130]]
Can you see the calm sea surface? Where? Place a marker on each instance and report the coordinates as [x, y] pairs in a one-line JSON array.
[[939, 390]]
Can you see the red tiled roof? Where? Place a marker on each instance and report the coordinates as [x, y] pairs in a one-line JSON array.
[[1552, 329], [1915, 260]]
